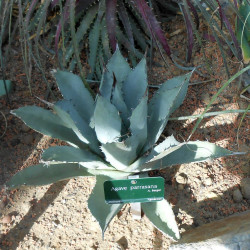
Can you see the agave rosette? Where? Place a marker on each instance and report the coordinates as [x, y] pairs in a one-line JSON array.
[[113, 136]]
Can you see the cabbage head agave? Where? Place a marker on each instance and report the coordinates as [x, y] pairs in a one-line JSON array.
[[113, 136]]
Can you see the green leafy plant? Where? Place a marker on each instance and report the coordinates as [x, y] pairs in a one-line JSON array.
[[131, 24], [243, 29], [67, 25], [113, 136], [65, 28]]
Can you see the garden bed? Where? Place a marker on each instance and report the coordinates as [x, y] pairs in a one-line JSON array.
[[57, 217]]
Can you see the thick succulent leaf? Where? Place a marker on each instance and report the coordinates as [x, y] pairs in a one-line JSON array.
[[65, 17], [83, 5], [66, 154], [123, 15], [119, 66], [161, 215], [135, 86], [152, 23], [190, 34], [47, 123], [169, 142], [193, 151], [72, 117], [166, 100], [195, 13], [73, 89], [123, 40], [114, 174], [84, 26], [111, 22], [69, 122], [102, 211], [107, 121], [118, 101], [105, 41], [138, 34], [44, 174], [106, 84], [166, 144], [94, 37], [121, 154], [112, 90], [87, 137], [138, 123]]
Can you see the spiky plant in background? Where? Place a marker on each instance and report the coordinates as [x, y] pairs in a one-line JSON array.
[[113, 136], [65, 28]]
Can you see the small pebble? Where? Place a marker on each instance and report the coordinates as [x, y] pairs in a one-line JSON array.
[[25, 128], [181, 179], [28, 139], [245, 188], [237, 196], [213, 196], [208, 181], [6, 219]]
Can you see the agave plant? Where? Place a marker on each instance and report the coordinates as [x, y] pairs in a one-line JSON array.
[[113, 136], [103, 23], [129, 23]]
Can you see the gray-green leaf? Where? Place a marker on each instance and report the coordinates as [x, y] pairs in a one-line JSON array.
[[44, 174], [114, 174], [161, 215], [135, 86], [73, 89], [67, 120], [119, 66], [74, 155], [119, 103], [193, 151], [74, 121], [168, 143], [107, 121], [47, 123], [106, 84], [102, 211], [166, 100], [121, 154], [138, 123]]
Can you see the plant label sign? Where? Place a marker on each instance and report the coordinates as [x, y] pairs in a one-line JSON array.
[[148, 189]]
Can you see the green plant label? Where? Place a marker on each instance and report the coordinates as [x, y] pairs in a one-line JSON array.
[[149, 189]]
